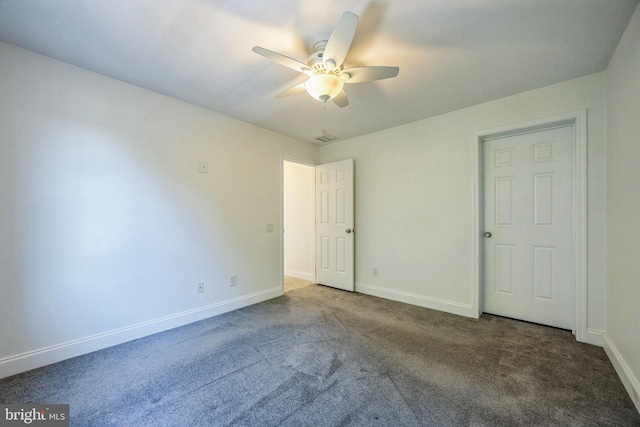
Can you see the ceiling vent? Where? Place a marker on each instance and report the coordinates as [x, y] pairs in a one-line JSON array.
[[322, 136]]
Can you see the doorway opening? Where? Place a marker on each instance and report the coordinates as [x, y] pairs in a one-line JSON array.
[[298, 194]]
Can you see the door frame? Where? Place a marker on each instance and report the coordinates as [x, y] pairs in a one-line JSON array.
[[578, 120], [302, 161]]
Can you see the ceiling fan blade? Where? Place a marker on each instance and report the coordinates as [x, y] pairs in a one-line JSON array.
[[282, 59], [292, 90], [340, 40], [341, 99], [368, 74]]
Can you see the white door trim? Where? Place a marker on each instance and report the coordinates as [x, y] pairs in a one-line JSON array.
[[578, 120], [287, 158]]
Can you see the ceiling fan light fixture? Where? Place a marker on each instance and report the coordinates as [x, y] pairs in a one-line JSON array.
[[324, 87]]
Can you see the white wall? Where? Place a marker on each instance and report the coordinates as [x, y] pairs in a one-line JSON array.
[[414, 198], [106, 227], [299, 223], [623, 208]]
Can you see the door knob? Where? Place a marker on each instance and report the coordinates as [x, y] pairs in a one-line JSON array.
[[487, 234], [348, 230]]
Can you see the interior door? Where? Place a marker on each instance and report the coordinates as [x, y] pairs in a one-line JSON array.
[[335, 225], [528, 230]]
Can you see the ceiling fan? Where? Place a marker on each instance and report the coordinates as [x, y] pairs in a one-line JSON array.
[[325, 65]]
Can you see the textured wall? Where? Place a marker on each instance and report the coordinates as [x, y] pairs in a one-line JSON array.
[[623, 206], [106, 225], [414, 197]]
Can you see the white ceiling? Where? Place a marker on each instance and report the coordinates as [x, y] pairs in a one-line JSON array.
[[451, 53]]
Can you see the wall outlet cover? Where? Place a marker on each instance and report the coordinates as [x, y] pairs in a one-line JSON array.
[[202, 167]]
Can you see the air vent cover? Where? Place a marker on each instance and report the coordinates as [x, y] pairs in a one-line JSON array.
[[325, 137]]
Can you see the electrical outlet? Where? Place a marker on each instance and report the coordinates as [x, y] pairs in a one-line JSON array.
[[269, 227], [233, 280], [202, 167], [375, 271], [200, 287]]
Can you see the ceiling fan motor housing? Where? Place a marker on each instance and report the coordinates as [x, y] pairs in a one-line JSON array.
[[316, 60]]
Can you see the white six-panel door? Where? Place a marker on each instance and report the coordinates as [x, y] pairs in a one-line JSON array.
[[528, 215], [334, 225]]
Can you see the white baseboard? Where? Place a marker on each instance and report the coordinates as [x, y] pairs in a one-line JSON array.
[[594, 337], [45, 356], [419, 300], [299, 275], [624, 371]]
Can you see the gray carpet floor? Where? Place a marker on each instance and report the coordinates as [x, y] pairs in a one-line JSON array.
[[323, 357]]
